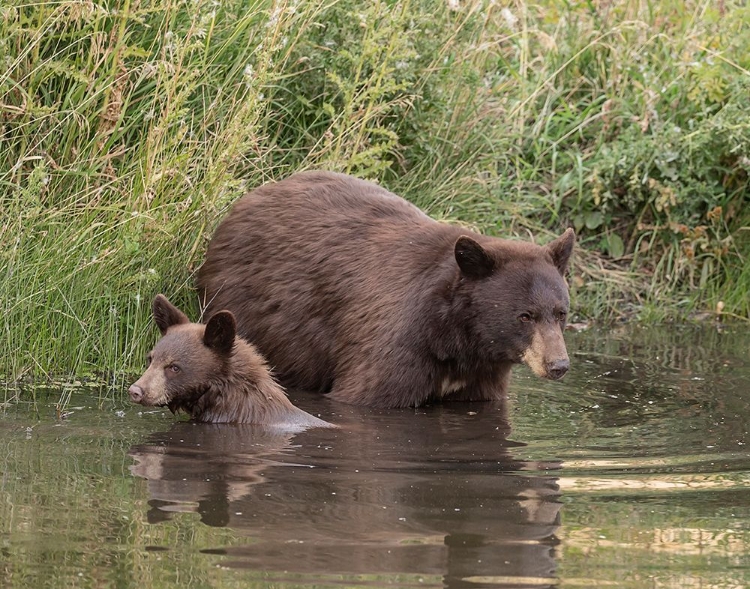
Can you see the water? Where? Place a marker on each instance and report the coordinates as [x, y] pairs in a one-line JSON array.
[[632, 472]]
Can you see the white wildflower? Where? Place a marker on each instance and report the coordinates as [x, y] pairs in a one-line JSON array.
[[273, 19], [510, 19]]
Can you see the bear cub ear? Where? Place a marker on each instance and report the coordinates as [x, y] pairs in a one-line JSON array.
[[561, 248], [472, 258], [166, 314], [221, 330]]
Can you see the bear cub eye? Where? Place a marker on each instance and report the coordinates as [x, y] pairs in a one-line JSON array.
[[525, 317], [561, 316], [173, 368]]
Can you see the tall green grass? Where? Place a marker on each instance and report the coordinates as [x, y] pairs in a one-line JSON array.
[[127, 128]]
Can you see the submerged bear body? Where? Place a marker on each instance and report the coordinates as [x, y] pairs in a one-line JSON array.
[[350, 290]]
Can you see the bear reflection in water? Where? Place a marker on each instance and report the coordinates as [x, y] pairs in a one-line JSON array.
[[433, 492]]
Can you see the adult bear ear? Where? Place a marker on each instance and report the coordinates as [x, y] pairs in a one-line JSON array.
[[166, 314], [561, 248], [472, 258], [221, 330]]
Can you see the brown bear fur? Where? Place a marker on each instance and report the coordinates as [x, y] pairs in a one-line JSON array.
[[350, 290], [212, 375]]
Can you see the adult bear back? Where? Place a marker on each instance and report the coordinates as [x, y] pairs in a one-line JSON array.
[[350, 290]]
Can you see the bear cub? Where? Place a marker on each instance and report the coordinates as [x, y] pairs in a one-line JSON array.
[[350, 290], [213, 375]]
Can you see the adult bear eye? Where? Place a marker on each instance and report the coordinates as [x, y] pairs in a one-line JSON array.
[[525, 317]]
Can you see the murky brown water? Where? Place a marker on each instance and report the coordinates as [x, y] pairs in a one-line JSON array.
[[632, 472]]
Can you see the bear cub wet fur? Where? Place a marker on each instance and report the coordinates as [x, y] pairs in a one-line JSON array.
[[350, 290], [213, 375]]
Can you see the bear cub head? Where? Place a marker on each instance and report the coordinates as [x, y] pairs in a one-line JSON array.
[[517, 300], [187, 358]]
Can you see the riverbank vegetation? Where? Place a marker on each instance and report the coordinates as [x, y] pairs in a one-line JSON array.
[[128, 127]]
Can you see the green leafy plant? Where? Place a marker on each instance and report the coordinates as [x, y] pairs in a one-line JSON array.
[[127, 129]]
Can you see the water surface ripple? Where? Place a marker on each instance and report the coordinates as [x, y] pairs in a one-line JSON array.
[[633, 471]]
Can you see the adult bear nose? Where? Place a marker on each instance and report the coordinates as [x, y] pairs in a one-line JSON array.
[[136, 393], [557, 368]]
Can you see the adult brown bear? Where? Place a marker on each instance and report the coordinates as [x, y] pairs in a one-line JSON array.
[[350, 290]]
